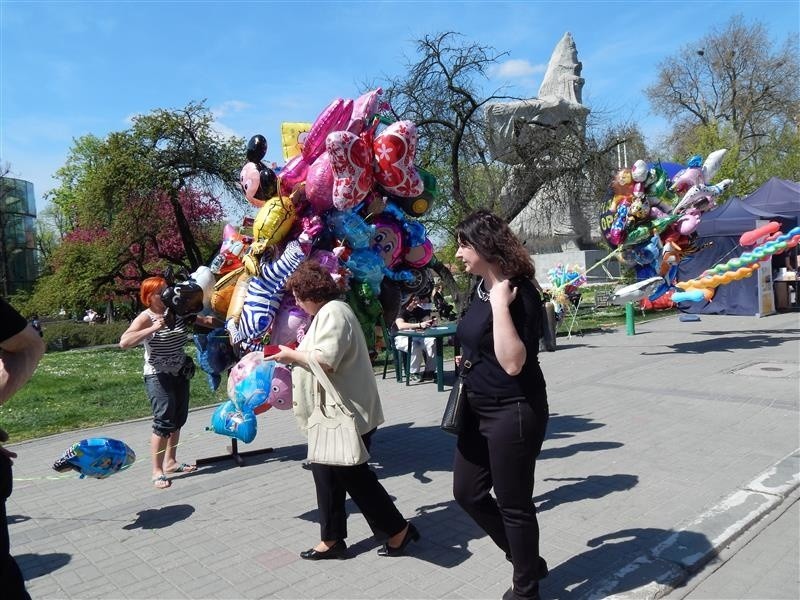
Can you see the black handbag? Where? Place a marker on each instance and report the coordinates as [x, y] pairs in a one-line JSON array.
[[453, 416]]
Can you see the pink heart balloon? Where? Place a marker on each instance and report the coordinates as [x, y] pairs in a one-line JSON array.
[[394, 150], [319, 184]]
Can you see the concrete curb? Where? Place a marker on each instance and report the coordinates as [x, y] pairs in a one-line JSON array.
[[671, 562]]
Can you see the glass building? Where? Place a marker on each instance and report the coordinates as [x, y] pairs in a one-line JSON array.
[[18, 254]]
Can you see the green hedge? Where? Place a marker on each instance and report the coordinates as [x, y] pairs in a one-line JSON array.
[[66, 335]]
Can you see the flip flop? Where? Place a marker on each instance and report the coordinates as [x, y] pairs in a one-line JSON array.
[[184, 468], [161, 482]]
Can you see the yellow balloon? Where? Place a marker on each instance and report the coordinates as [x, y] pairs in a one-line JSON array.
[[293, 136], [274, 220]]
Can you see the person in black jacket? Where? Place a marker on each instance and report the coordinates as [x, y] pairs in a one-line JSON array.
[[21, 348], [506, 413]]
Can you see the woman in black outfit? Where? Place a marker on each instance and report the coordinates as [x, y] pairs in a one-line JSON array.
[[506, 417]]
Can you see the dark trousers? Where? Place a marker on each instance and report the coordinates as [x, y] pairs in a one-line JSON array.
[[169, 399], [12, 583], [362, 484], [498, 446]]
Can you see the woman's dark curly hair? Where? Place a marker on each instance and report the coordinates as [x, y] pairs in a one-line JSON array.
[[311, 282], [492, 238]]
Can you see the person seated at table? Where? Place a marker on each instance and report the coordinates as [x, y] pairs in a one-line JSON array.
[[445, 309], [413, 316]]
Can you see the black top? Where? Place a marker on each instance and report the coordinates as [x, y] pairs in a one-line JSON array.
[[11, 322], [487, 377], [416, 315]]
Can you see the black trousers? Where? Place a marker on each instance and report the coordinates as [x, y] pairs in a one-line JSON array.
[[333, 483], [12, 583], [498, 446]]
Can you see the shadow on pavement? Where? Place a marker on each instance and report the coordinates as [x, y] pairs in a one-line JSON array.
[[573, 449], [726, 344], [566, 426], [159, 518], [751, 331], [593, 486], [36, 565], [579, 576], [568, 345], [14, 519]]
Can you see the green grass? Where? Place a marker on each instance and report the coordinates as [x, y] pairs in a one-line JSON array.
[[85, 388], [608, 318], [96, 386]]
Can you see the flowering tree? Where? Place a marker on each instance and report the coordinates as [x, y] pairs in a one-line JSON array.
[[138, 201]]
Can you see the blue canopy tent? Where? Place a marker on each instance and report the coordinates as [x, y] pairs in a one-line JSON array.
[[777, 200]]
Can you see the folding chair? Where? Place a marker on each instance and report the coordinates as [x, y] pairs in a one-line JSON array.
[[398, 356]]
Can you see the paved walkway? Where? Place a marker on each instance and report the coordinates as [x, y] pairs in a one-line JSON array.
[[764, 566], [662, 448]]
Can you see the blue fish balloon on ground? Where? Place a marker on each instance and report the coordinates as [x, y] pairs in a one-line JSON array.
[[96, 457]]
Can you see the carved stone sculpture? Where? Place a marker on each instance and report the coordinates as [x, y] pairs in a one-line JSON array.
[[512, 125], [534, 136]]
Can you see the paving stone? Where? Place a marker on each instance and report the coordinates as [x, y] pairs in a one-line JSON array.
[[647, 432]]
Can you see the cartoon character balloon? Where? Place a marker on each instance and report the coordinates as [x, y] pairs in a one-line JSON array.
[[96, 457]]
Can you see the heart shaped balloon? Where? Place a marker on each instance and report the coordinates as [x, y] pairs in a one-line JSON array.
[[394, 150], [351, 164], [319, 184]]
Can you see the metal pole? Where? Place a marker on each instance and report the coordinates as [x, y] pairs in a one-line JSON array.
[[630, 327]]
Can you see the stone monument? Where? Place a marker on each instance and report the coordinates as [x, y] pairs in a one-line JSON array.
[[525, 134]]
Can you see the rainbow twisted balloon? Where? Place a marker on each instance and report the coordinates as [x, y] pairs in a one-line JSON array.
[[697, 289]]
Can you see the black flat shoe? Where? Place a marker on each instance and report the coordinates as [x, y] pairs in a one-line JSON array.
[[338, 550], [511, 595], [412, 535]]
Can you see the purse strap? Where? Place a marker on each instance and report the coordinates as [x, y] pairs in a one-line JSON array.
[[323, 380]]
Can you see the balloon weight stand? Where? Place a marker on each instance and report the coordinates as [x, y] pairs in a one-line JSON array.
[[234, 454]]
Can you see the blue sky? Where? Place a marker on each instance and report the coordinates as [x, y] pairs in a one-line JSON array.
[[72, 68]]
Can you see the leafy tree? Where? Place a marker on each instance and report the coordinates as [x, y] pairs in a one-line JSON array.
[[735, 89], [441, 92], [139, 200], [49, 233]]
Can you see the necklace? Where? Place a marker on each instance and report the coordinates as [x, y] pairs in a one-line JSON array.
[[483, 295]]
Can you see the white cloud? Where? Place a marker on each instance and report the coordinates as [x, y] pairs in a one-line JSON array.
[[228, 107], [224, 131], [517, 68]]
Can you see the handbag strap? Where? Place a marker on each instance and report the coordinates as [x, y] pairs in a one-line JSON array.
[[323, 379]]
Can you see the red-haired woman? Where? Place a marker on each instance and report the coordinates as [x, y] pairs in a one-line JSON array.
[[165, 377]]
